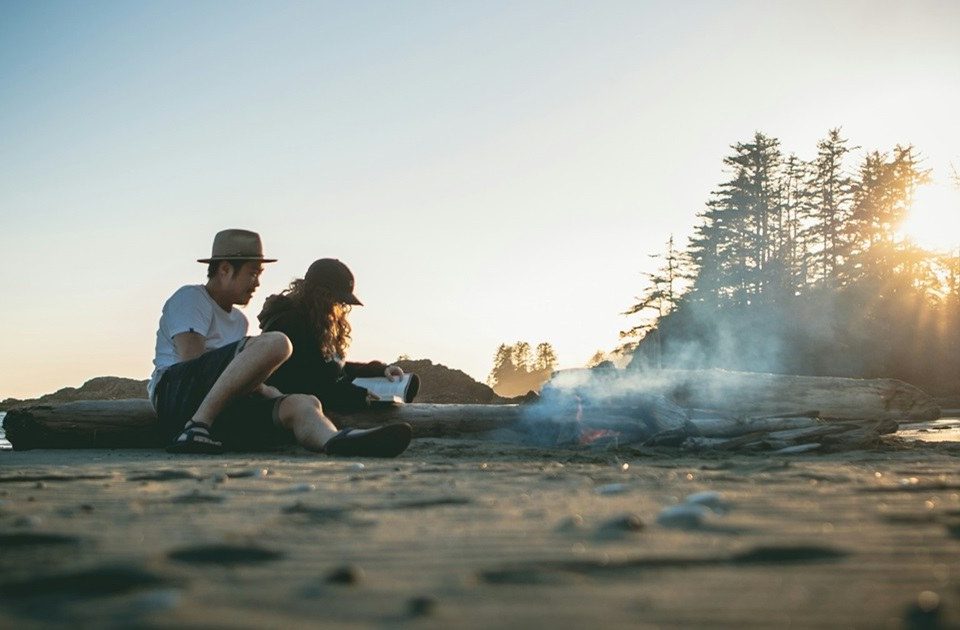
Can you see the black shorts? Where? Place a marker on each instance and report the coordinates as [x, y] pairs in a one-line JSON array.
[[248, 423]]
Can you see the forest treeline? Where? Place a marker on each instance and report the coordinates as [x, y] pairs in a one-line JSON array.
[[798, 266], [519, 368]]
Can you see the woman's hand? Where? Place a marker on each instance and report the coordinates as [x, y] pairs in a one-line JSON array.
[[393, 373]]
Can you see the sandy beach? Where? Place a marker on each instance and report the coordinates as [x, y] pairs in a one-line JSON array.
[[480, 534]]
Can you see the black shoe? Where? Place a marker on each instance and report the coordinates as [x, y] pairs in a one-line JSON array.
[[386, 441], [195, 440]]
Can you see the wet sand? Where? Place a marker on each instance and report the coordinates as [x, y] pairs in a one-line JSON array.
[[479, 534]]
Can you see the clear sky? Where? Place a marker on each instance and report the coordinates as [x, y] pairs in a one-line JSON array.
[[491, 171]]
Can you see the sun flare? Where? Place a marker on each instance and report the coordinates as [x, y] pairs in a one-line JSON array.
[[934, 219]]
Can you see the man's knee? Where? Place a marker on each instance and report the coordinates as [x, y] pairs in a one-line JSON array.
[[298, 406], [275, 345]]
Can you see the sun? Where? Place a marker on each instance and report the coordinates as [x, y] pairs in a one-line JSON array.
[[934, 220]]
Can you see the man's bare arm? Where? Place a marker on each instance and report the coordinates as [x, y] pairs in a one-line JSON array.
[[189, 345]]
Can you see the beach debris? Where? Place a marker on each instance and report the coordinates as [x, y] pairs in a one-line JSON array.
[[228, 555], [683, 516], [422, 605], [346, 574], [709, 499], [612, 488]]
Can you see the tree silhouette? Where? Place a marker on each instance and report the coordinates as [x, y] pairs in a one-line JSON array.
[[799, 266]]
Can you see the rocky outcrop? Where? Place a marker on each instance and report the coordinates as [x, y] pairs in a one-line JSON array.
[[440, 384], [99, 388]]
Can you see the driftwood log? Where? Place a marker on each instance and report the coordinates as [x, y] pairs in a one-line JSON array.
[[628, 407], [133, 424], [753, 394]]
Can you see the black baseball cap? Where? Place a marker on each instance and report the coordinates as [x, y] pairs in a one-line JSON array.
[[333, 275]]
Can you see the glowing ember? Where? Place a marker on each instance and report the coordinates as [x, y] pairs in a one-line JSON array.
[[589, 436]]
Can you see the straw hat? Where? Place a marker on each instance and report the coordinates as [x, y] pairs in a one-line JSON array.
[[237, 245]]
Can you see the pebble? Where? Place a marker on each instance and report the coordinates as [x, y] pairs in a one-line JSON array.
[[621, 524], [685, 515], [40, 485], [220, 478], [356, 467], [571, 524], [709, 499], [347, 574], [423, 605], [86, 507], [612, 488]]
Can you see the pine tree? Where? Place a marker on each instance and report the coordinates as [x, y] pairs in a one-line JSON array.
[[829, 197], [503, 368], [546, 359]]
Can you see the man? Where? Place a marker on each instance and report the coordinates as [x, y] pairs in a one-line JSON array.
[[208, 383]]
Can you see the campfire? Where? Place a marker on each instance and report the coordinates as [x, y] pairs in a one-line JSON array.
[[716, 409]]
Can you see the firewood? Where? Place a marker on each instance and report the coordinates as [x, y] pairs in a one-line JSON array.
[[752, 394]]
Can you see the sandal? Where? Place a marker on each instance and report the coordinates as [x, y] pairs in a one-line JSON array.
[[195, 439], [386, 441]]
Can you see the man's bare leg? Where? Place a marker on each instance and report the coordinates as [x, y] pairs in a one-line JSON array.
[[259, 359], [303, 415]]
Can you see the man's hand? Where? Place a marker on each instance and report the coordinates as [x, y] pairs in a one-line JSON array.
[[393, 373], [268, 391], [189, 345]]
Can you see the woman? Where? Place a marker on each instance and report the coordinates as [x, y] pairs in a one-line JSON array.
[[312, 312]]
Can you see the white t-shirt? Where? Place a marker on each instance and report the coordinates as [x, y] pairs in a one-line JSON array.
[[191, 309]]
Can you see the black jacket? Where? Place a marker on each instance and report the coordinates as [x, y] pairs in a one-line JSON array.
[[307, 371]]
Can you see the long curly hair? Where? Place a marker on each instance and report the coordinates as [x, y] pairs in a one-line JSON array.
[[328, 318]]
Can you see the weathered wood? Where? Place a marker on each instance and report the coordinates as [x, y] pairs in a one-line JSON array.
[[129, 423], [758, 394], [133, 423], [732, 427]]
